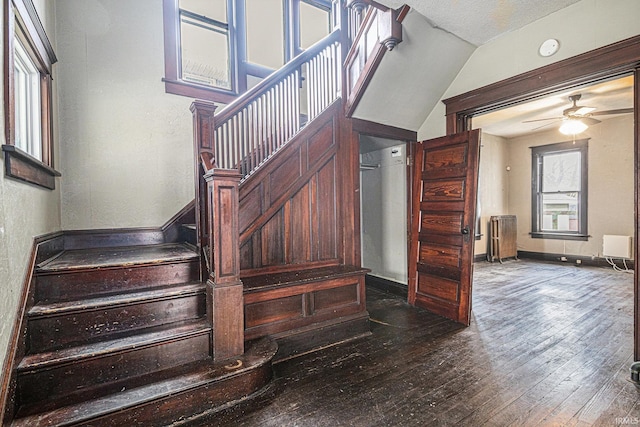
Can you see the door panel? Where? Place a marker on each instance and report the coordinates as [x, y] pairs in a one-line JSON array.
[[444, 206]]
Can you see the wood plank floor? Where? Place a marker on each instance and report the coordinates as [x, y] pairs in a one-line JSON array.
[[549, 345]]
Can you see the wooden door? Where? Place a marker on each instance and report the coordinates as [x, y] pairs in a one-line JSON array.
[[445, 181]]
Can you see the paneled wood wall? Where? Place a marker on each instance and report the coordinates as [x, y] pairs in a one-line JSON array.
[[299, 240], [289, 210]]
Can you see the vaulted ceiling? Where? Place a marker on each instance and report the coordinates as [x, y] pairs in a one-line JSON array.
[[476, 21]]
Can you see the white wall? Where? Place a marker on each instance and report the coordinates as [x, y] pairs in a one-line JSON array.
[[610, 181], [26, 211], [493, 184], [581, 27], [127, 150], [384, 214]]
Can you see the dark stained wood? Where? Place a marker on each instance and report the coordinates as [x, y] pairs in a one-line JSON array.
[[193, 391], [285, 302], [129, 335], [367, 127], [21, 166], [636, 252], [110, 257], [74, 283], [204, 143], [362, 60], [54, 374], [548, 345], [441, 252], [224, 288], [61, 324], [290, 205], [608, 61]]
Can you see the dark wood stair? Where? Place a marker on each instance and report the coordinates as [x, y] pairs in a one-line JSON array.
[[120, 334]]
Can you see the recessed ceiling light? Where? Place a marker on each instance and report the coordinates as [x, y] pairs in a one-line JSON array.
[[549, 47]]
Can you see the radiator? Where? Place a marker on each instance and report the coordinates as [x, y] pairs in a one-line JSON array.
[[504, 232]]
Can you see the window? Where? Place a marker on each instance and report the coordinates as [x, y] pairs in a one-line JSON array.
[[217, 49], [559, 191], [27, 88]]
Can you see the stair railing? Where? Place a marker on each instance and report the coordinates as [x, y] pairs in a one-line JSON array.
[[378, 30], [252, 128]]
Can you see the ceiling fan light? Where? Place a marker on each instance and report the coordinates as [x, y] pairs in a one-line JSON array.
[[572, 127]]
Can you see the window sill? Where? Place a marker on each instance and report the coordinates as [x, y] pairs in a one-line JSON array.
[[191, 90], [22, 166], [559, 236]]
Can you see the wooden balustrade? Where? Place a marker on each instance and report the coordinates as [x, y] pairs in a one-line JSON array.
[[259, 123], [379, 30]]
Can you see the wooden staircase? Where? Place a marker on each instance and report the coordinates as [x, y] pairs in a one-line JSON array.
[[120, 335], [152, 331]]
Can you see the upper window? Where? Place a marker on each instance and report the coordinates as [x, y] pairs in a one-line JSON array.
[[27, 89], [559, 191], [217, 49]]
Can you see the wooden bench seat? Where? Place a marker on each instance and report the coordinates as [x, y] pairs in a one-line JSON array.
[[306, 308]]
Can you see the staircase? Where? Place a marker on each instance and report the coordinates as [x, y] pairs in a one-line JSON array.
[[152, 331], [119, 335]]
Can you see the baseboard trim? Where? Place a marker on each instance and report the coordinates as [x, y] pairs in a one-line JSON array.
[[479, 257], [386, 285], [570, 259]]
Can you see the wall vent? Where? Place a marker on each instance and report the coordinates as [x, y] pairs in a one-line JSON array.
[[616, 246]]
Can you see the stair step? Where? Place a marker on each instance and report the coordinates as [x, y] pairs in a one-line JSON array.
[[71, 369], [81, 274], [60, 324], [171, 396], [79, 259]]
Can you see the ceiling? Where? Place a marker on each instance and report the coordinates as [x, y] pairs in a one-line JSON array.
[[508, 122], [476, 21]]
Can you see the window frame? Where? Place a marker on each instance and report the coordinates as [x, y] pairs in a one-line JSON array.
[[537, 153], [21, 21], [241, 69]]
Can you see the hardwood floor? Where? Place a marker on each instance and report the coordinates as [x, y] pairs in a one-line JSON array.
[[549, 344]]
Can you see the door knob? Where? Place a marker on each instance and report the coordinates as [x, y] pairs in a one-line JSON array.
[[465, 230]]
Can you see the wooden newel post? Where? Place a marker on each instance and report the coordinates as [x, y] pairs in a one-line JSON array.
[[225, 306], [204, 143]]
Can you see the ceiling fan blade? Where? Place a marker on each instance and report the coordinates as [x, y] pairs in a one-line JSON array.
[[541, 120], [618, 111], [540, 127], [589, 121], [583, 110]]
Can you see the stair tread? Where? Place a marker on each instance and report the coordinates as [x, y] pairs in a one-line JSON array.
[[167, 383], [148, 337], [121, 299], [77, 259]]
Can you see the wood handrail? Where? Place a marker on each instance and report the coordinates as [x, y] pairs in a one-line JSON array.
[[386, 24], [249, 131], [259, 89]]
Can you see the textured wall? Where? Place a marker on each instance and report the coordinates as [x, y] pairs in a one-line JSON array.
[[517, 52], [610, 183], [126, 145], [26, 211]]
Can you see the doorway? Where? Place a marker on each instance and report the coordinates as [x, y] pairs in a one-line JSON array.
[[617, 59], [511, 135], [383, 200]]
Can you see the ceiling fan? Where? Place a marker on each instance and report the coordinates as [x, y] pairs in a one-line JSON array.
[[578, 118]]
